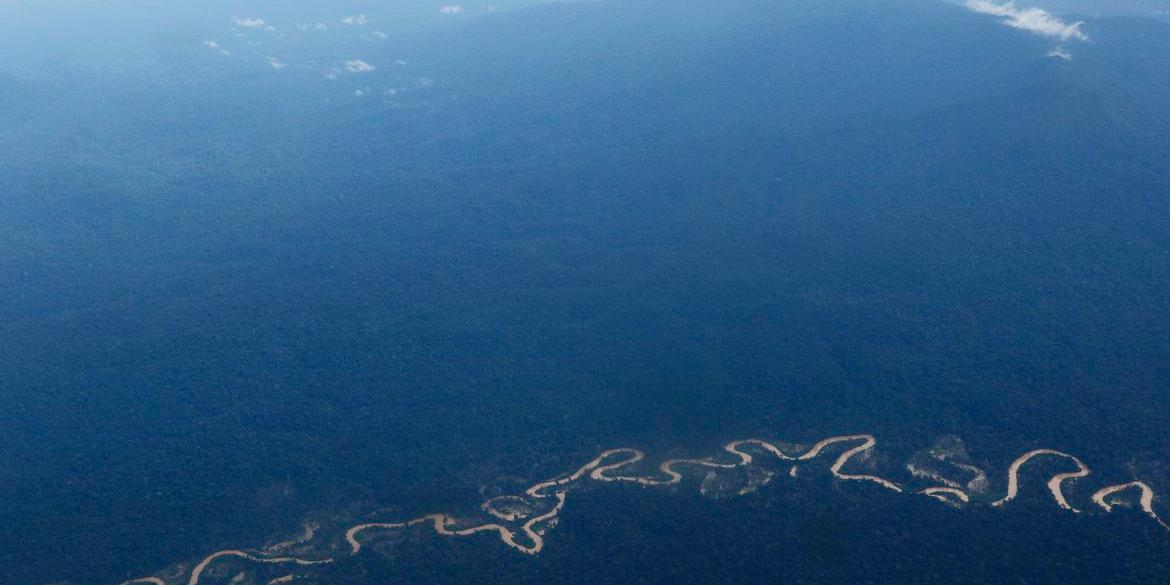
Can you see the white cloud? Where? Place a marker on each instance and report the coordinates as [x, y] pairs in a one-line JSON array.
[[358, 66], [215, 46], [275, 63], [321, 26], [451, 9], [1034, 20], [270, 28], [381, 35], [399, 62], [359, 20], [249, 22], [359, 93], [1060, 53]]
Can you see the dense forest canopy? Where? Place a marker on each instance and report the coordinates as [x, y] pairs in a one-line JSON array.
[[253, 277]]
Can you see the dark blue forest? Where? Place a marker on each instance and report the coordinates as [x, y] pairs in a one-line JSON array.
[[235, 297]]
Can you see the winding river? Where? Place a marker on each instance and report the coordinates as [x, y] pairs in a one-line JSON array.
[[620, 466]]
